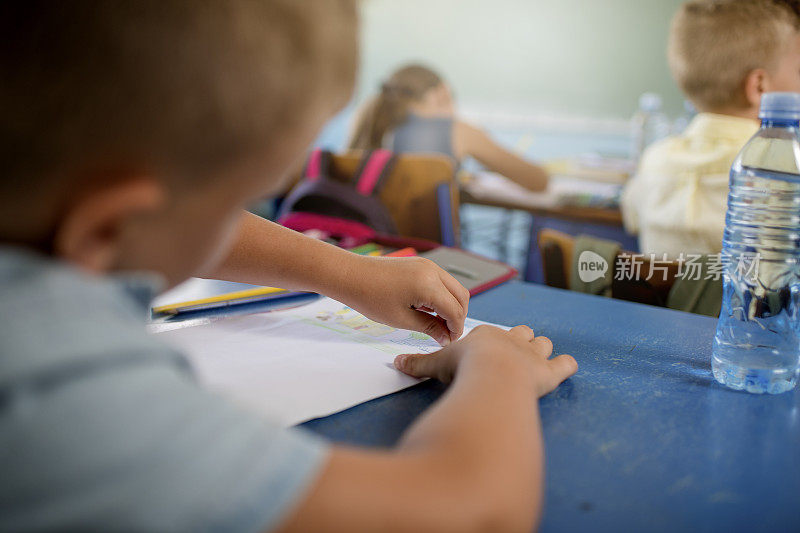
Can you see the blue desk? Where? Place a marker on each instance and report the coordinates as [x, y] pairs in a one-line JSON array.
[[641, 438]]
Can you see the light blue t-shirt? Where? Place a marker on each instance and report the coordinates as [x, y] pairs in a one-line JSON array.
[[102, 427]]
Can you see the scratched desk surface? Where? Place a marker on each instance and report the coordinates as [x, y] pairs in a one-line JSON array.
[[641, 438]]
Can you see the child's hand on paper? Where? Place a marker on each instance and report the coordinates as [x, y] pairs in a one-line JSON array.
[[491, 351], [406, 292]]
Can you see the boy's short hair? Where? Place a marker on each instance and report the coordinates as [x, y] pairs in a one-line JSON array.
[[181, 86], [714, 44]]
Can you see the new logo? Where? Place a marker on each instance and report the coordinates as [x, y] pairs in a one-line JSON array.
[[591, 266]]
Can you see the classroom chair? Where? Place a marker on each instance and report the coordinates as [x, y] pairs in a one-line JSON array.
[[652, 287], [533, 269], [413, 193]]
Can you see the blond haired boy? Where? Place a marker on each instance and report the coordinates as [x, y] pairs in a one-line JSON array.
[[133, 135], [724, 54]]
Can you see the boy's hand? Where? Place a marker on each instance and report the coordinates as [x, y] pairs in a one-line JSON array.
[[488, 350], [405, 293]]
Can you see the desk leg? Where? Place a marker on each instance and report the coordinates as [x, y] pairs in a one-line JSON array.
[[465, 226], [506, 222], [534, 269]]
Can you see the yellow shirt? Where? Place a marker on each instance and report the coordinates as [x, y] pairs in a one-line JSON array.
[[677, 200]]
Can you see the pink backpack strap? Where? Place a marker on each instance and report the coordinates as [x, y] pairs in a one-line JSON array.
[[377, 166], [315, 165]]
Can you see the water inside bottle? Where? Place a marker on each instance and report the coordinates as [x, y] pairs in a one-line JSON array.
[[756, 347]]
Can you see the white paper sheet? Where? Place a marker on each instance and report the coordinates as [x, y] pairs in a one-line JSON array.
[[561, 191], [300, 363]]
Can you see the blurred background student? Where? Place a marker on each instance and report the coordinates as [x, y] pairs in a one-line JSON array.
[[414, 111], [724, 54], [579, 87]]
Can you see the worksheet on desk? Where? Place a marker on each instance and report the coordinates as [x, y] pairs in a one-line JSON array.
[[301, 363]]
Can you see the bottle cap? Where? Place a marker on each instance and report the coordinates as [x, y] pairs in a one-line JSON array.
[[780, 106]]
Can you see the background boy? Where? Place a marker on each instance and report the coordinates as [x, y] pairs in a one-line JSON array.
[[724, 54], [133, 135]]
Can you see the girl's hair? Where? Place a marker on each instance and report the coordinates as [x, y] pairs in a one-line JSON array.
[[389, 108]]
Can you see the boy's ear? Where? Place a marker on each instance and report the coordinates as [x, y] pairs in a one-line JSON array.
[[89, 234], [755, 85]]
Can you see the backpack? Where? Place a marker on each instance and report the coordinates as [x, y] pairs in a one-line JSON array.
[[347, 210]]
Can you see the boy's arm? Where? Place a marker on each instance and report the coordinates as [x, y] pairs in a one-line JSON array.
[[394, 291], [474, 462]]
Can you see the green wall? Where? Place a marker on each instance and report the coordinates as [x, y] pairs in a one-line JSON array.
[[588, 58]]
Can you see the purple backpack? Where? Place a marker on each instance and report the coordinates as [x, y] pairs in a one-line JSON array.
[[330, 202]]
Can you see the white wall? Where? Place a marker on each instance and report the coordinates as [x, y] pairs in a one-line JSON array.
[[580, 58]]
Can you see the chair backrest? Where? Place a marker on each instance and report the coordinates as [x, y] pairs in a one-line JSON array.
[[447, 198], [556, 249], [409, 192], [651, 285]]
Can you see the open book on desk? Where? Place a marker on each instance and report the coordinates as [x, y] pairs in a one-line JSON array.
[[301, 363]]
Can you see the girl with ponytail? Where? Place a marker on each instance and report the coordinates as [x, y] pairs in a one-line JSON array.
[[414, 112]]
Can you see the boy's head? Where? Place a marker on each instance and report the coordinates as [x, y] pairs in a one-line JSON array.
[[134, 131], [725, 54]]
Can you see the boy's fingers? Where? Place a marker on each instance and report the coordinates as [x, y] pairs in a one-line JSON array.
[[563, 366], [447, 307], [543, 346], [456, 289], [411, 364], [523, 333], [422, 365], [432, 325]]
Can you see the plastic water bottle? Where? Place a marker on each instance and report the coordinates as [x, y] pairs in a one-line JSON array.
[[649, 124], [757, 344]]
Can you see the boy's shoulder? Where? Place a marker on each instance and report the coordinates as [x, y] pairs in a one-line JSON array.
[[55, 317], [709, 143], [721, 128], [103, 427], [659, 153]]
